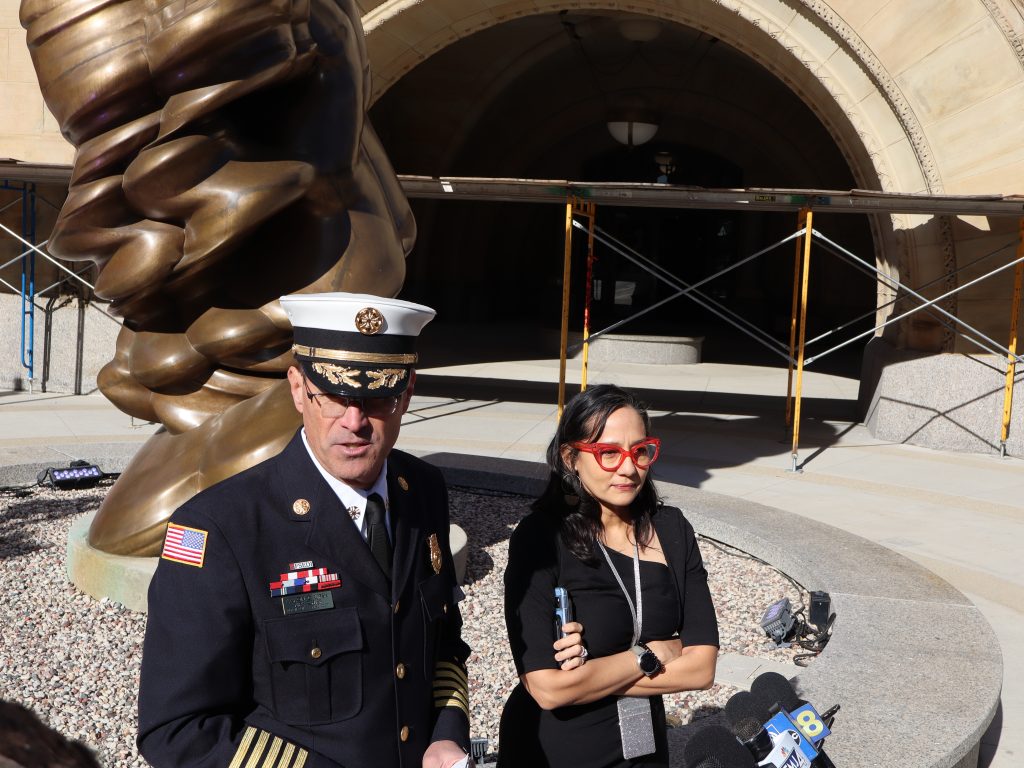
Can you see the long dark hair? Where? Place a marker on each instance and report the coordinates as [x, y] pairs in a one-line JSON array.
[[583, 420]]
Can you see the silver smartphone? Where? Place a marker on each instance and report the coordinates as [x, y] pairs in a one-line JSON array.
[[563, 610]]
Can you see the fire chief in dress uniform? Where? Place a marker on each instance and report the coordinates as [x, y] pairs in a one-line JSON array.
[[304, 612]]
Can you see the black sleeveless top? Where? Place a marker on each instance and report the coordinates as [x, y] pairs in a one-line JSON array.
[[587, 735]]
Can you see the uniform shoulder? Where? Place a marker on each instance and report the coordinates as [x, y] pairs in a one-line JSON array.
[[406, 463], [227, 494]]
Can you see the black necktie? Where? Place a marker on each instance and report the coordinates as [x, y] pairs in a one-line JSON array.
[[380, 545]]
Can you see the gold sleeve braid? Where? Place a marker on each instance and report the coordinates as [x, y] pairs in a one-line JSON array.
[[451, 686], [260, 749]]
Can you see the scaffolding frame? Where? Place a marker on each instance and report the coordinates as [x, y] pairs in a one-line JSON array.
[[23, 181], [581, 200], [797, 358], [802, 201]]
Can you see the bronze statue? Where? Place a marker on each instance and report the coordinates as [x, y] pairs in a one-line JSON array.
[[224, 159]]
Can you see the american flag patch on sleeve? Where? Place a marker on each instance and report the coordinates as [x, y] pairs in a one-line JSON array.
[[184, 545]]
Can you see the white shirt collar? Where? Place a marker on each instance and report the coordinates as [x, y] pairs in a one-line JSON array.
[[354, 499]]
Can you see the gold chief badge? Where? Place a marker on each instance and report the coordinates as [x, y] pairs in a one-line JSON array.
[[435, 553], [369, 321]]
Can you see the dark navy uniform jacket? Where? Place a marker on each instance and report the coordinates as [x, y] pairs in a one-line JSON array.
[[230, 679]]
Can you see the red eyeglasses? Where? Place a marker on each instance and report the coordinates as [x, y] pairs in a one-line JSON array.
[[611, 457]]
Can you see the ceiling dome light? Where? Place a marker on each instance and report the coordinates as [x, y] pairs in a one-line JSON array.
[[632, 133]]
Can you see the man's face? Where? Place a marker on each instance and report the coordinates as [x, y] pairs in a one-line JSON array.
[[353, 447]]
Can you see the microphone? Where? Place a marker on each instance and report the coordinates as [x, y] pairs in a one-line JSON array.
[[791, 728], [715, 747], [745, 704], [746, 715], [754, 737], [787, 752], [776, 744], [773, 687]]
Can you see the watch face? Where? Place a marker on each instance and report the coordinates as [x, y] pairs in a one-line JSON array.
[[649, 663]]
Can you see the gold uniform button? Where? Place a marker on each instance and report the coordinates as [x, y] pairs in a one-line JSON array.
[[404, 733], [400, 670], [445, 607], [316, 653], [300, 507]]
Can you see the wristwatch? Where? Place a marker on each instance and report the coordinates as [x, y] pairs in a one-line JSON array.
[[649, 664]]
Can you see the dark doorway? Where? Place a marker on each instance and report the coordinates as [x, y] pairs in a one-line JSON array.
[[531, 99]]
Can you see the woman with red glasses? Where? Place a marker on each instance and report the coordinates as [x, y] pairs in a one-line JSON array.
[[644, 621]]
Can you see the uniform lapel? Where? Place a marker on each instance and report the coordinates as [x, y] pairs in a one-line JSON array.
[[405, 524], [331, 532]]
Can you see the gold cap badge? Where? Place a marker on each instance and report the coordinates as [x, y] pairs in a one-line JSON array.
[[369, 321], [403, 483], [435, 553], [300, 507]]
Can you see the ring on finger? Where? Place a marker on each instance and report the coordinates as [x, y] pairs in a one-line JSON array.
[[584, 654]]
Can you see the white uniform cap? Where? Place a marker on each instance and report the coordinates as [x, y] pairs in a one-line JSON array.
[[355, 344]]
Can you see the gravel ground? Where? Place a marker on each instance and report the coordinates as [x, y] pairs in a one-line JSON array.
[[74, 661]]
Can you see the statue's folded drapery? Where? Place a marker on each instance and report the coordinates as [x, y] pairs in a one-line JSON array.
[[224, 159]]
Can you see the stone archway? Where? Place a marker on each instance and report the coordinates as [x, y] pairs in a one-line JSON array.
[[820, 57], [896, 88]]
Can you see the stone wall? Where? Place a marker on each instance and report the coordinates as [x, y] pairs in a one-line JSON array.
[[100, 333], [27, 129]]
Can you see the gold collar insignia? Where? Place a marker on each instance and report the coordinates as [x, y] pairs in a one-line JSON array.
[[435, 553]]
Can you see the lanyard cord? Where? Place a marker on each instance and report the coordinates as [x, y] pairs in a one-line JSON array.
[[636, 612]]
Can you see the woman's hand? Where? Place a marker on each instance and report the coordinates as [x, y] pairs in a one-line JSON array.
[[666, 650], [569, 649]]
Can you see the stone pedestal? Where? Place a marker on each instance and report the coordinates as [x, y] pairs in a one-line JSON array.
[[944, 401], [649, 350]]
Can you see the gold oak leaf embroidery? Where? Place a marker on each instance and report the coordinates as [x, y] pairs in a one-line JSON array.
[[385, 377], [337, 374]]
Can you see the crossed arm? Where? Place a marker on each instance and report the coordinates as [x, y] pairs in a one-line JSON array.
[[686, 668]]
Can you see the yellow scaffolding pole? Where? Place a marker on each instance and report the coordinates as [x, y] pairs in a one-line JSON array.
[[566, 275], [801, 222], [809, 218], [575, 207], [1011, 359], [590, 211]]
